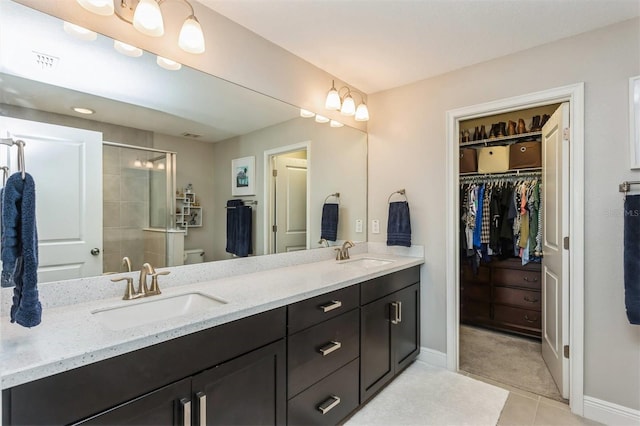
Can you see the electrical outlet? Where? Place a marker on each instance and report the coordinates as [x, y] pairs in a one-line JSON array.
[[358, 225], [375, 226]]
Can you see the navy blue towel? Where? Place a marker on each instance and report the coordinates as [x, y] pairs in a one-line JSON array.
[[329, 224], [239, 228], [20, 249], [632, 257], [399, 224]]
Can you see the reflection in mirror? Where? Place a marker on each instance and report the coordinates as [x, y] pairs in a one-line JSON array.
[[185, 128]]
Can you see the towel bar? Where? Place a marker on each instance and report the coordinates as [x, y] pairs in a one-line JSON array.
[[253, 202], [626, 186]]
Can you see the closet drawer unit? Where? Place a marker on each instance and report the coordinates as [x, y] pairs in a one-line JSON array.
[[481, 276], [527, 299], [517, 317], [516, 278], [318, 351], [328, 401], [472, 310], [481, 292], [315, 310]]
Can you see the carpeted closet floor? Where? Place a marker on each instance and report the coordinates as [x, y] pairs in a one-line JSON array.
[[512, 360]]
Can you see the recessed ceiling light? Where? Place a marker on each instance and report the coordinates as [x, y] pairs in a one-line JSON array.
[[79, 32], [168, 64], [127, 49], [82, 110]]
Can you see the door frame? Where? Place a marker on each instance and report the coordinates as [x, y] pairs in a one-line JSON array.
[[574, 94], [268, 154]]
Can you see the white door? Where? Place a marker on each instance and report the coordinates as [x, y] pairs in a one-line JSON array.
[[66, 165], [290, 204], [555, 264]]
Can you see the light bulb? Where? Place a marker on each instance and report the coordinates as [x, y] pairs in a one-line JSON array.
[[79, 32], [334, 123], [333, 99], [99, 7], [321, 119], [362, 113], [168, 64], [191, 38], [127, 49], [306, 113], [148, 19], [348, 106]]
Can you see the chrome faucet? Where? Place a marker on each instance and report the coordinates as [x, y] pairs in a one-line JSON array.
[[342, 253]]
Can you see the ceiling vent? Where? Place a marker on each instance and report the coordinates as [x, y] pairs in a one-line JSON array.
[[44, 61], [190, 135]]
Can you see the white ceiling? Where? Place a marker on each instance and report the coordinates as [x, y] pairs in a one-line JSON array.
[[376, 45]]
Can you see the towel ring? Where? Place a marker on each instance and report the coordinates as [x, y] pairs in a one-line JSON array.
[[400, 192], [5, 174], [336, 194]]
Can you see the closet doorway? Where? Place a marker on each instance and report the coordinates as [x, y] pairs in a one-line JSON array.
[[507, 283]]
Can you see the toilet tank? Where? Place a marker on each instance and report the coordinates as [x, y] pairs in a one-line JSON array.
[[193, 256]]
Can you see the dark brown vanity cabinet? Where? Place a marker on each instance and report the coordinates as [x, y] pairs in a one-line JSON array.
[[390, 328]]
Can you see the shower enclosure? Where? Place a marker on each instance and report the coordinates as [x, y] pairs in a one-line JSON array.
[[139, 208]]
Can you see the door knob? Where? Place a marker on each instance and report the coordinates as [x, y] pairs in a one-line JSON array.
[[95, 251]]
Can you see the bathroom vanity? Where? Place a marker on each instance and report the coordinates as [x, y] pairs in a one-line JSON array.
[[304, 344]]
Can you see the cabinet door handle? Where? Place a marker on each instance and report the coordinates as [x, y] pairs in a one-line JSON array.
[[329, 404], [526, 318], [185, 403], [399, 312], [396, 313], [330, 347], [202, 407], [334, 304], [532, 280], [530, 299]]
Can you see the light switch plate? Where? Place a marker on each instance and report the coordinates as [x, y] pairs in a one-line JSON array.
[[375, 226], [358, 225]]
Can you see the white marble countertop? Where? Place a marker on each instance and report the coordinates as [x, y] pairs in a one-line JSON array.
[[71, 336]]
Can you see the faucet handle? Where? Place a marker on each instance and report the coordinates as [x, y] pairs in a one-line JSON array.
[[338, 251], [155, 289], [129, 292]]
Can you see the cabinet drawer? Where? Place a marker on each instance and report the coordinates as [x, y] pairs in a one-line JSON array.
[[518, 278], [387, 284], [340, 386], [338, 338], [468, 275], [315, 310], [476, 291], [474, 310], [528, 299], [516, 316]]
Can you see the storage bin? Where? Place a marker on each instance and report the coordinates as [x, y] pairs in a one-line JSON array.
[[524, 155], [468, 160], [493, 159]]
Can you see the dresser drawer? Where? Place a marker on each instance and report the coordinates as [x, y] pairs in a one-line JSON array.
[[476, 291], [481, 275], [516, 277], [317, 309], [337, 395], [516, 316], [474, 310], [528, 299], [320, 350]]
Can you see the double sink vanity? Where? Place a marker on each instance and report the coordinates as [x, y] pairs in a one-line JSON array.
[[289, 341]]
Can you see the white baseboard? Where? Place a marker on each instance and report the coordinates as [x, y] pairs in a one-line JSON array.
[[433, 357], [610, 413]]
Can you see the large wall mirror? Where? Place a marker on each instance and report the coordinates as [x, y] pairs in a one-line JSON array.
[[149, 174]]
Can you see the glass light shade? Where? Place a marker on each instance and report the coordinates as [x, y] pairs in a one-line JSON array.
[[79, 32], [191, 38], [348, 106], [148, 165], [160, 166], [334, 123], [148, 19], [321, 119], [362, 113], [333, 100], [306, 113], [137, 163], [99, 7], [168, 64], [127, 49]]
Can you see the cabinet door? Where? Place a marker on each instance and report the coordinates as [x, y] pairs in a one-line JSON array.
[[249, 390], [376, 356], [164, 406], [406, 330]]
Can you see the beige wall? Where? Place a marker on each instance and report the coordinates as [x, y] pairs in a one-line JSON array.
[[407, 150]]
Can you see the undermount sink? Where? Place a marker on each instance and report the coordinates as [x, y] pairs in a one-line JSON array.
[[154, 309], [367, 262]]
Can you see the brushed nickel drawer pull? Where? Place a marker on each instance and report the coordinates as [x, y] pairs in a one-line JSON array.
[[526, 318], [532, 280], [185, 403], [202, 406], [329, 404], [530, 300], [396, 313], [330, 347], [335, 304]]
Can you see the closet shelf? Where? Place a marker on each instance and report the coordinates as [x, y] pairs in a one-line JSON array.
[[508, 173], [502, 140]]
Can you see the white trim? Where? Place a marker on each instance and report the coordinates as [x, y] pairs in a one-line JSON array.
[[575, 95], [433, 357], [610, 413], [300, 146]]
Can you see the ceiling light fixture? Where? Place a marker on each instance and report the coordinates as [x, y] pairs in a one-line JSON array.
[[137, 163], [146, 17], [168, 64], [321, 119], [305, 113], [345, 103], [127, 49], [79, 32], [82, 110], [334, 123]]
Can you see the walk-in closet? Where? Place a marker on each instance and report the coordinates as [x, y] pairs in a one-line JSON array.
[[505, 169]]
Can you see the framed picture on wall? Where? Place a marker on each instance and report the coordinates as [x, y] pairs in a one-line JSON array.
[[243, 172], [634, 121]]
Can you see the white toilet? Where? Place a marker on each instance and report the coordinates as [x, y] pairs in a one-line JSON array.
[[193, 256]]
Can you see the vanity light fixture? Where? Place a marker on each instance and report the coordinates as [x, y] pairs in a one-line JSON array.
[[160, 166], [127, 49], [82, 110], [334, 123], [345, 103], [79, 32], [146, 17], [305, 113], [321, 119], [168, 64], [148, 165], [137, 163]]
